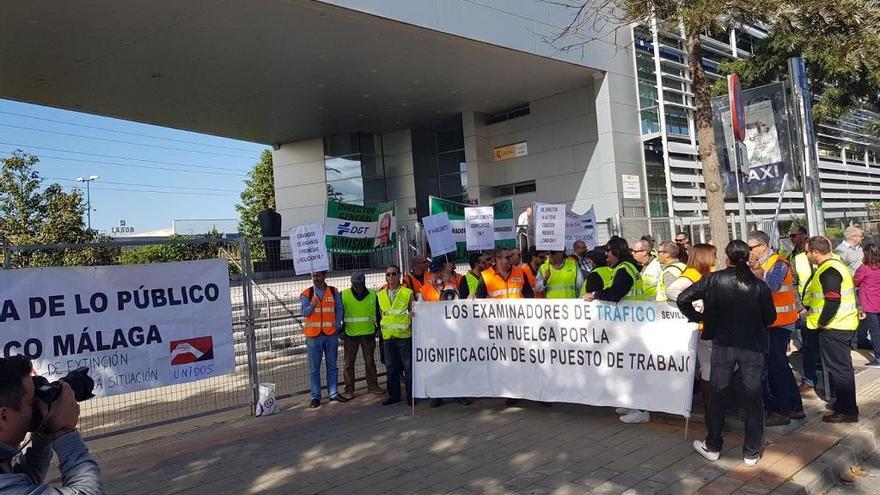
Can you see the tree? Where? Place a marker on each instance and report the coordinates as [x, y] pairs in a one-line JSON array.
[[32, 214], [840, 43], [258, 194], [693, 18]]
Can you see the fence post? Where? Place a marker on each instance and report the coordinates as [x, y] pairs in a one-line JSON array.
[[249, 331], [7, 257]]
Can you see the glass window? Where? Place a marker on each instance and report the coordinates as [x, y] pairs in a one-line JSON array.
[[450, 163], [347, 190], [342, 168], [450, 185], [354, 168], [340, 145]]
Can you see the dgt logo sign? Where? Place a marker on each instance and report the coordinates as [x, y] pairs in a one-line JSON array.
[[347, 228]]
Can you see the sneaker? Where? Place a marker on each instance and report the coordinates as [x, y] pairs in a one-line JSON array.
[[751, 461], [623, 411], [776, 419], [636, 417], [840, 418], [389, 401], [700, 447], [314, 404], [339, 398]]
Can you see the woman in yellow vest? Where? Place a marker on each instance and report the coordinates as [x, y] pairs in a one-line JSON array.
[[626, 284], [700, 263], [832, 312], [321, 307], [359, 333], [600, 274], [395, 307]]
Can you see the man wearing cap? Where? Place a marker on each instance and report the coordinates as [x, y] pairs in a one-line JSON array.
[[417, 275], [321, 307], [360, 323]]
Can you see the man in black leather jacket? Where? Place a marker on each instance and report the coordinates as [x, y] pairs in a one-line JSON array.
[[738, 308]]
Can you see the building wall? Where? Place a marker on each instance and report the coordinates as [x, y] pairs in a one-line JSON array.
[[300, 183]]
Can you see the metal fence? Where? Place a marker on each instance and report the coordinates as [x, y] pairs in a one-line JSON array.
[[267, 325]]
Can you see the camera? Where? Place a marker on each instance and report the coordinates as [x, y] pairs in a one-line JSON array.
[[80, 383]]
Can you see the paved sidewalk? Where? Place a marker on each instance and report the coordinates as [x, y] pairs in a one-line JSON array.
[[367, 448]]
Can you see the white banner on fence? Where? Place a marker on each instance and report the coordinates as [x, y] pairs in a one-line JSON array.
[[479, 228], [135, 327], [439, 233], [549, 227], [581, 227], [639, 355], [309, 249]]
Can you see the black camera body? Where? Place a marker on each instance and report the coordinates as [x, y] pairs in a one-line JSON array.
[[80, 382]]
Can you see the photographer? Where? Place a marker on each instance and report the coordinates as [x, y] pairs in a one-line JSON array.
[[22, 470]]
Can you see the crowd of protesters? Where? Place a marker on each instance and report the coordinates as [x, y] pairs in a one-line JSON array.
[[748, 311]]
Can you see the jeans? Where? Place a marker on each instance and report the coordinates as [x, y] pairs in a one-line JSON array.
[[318, 347], [872, 324], [782, 395], [367, 345], [751, 364], [835, 347], [862, 341], [398, 358], [809, 353]]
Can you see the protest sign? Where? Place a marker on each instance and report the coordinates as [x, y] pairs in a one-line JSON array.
[[581, 228], [439, 234], [479, 228], [505, 233], [638, 355], [135, 326], [309, 249], [357, 229], [549, 227]]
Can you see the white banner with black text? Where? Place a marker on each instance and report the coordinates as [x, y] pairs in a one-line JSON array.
[[134, 326], [639, 355]]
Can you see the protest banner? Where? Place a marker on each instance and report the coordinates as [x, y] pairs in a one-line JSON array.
[[581, 228], [549, 227], [439, 234], [134, 326], [639, 355], [309, 249], [357, 229], [505, 233], [479, 233]]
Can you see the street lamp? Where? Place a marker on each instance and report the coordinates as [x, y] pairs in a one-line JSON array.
[[87, 180]]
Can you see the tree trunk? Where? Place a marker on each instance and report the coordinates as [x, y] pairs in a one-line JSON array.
[[706, 148]]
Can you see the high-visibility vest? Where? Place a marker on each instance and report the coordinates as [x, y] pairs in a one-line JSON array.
[[606, 273], [785, 299], [430, 293], [413, 282], [323, 318], [472, 283], [678, 267], [803, 269], [847, 316], [498, 288], [692, 274], [635, 292], [359, 316], [455, 279], [532, 279], [650, 276], [562, 282], [395, 322]]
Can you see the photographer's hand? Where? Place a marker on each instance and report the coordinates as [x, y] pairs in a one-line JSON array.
[[64, 413]]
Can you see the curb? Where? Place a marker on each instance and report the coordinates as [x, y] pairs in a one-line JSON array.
[[824, 472]]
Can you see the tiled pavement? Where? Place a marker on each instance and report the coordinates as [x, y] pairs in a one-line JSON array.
[[365, 448]]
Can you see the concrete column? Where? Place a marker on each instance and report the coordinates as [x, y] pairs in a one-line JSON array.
[[399, 179], [300, 183], [478, 153]]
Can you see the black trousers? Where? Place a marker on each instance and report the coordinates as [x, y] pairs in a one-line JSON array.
[[751, 366], [835, 346]]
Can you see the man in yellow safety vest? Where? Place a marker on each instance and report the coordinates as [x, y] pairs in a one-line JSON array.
[[395, 306], [830, 299], [559, 277], [360, 323]]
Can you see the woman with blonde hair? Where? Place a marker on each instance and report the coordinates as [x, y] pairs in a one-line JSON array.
[[700, 262]]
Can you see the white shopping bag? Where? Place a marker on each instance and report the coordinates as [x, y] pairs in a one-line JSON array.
[[267, 405]]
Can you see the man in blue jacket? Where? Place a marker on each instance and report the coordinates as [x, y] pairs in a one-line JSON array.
[[23, 469]]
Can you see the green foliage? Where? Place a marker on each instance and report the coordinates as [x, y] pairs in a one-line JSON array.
[[33, 214], [164, 253], [840, 43], [258, 194]]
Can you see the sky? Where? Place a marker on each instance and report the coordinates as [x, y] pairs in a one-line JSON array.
[[148, 175]]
